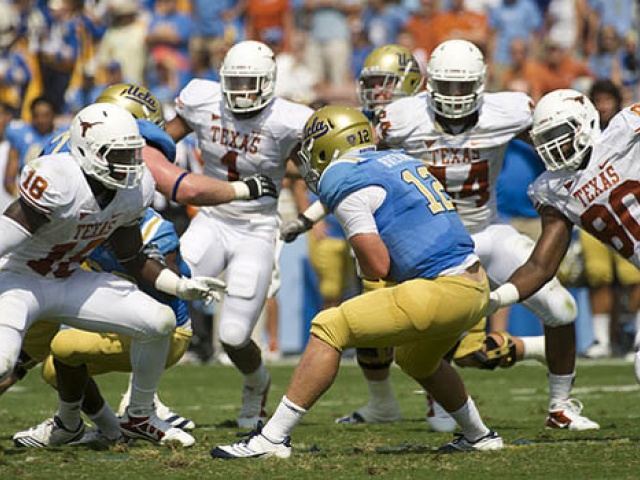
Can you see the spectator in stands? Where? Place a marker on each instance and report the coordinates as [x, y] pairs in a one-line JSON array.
[[421, 24], [565, 20], [263, 15], [618, 13], [523, 68], [605, 62], [383, 20], [169, 32], [213, 26], [125, 28], [459, 22], [560, 70], [15, 73], [329, 42], [510, 20], [60, 49], [28, 138]]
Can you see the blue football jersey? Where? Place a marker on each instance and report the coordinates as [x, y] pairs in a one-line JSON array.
[[159, 238], [153, 134], [416, 221]]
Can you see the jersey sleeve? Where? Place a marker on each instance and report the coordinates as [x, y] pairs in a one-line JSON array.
[[394, 125], [291, 119], [623, 130], [508, 113], [197, 95], [45, 185], [158, 138]]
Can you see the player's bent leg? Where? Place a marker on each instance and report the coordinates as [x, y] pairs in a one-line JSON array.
[[382, 406]]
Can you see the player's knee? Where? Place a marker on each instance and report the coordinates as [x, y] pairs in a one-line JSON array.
[[234, 335], [374, 358], [161, 323], [561, 306], [66, 349]]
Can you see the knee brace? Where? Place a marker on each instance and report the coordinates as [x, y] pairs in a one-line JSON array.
[[561, 308], [374, 358], [234, 334], [495, 355]]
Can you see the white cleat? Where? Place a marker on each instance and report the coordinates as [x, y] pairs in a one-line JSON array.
[[153, 429], [567, 415], [438, 418], [51, 432], [254, 401], [597, 350], [163, 412], [256, 446], [491, 441], [388, 414]]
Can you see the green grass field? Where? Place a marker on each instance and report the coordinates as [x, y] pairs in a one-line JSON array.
[[512, 401]]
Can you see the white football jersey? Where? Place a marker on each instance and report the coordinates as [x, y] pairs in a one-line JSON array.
[[234, 148], [55, 186], [467, 164], [604, 197]]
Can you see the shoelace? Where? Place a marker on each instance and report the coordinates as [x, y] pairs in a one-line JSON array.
[[574, 405]]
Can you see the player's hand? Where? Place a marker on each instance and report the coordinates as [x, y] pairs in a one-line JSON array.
[[207, 289], [260, 186], [291, 229]]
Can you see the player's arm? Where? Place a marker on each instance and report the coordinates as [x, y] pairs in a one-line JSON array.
[[11, 171], [309, 217], [17, 224], [189, 188], [127, 244], [543, 263], [372, 255], [177, 128]]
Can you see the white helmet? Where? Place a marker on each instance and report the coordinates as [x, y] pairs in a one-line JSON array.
[[248, 77], [565, 125], [455, 79], [106, 142]]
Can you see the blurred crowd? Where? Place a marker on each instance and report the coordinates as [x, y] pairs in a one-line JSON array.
[[68, 50]]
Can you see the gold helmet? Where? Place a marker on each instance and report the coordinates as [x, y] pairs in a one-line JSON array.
[[389, 72], [328, 134], [139, 101]]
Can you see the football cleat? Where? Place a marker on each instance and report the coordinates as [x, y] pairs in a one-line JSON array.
[[597, 350], [50, 432], [368, 414], [254, 401], [153, 429], [176, 420], [491, 441], [95, 439], [255, 445], [438, 418], [567, 415], [163, 412]]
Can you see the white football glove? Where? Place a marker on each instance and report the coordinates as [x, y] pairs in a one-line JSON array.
[[207, 289], [291, 229]]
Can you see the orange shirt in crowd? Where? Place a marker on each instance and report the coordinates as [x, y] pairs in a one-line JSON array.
[[264, 14], [531, 72], [423, 32], [466, 24], [562, 76]]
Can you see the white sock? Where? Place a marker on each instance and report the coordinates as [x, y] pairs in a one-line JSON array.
[[283, 421], [636, 341], [601, 332], [636, 366], [147, 361], [534, 348], [69, 414], [468, 417], [106, 421], [257, 378], [560, 387], [381, 392]]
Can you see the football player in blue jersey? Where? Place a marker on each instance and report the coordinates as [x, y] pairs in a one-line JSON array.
[[402, 227]]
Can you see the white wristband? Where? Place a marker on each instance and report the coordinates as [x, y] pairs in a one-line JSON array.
[[167, 282], [241, 190], [315, 212], [508, 294]]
